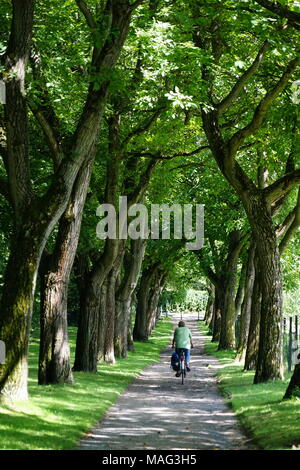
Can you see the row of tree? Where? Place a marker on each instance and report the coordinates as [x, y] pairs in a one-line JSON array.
[[157, 101]]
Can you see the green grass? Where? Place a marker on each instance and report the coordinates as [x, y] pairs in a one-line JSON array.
[[57, 416], [273, 423]]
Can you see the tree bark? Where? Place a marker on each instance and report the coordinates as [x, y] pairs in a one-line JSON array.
[[130, 343], [293, 389], [269, 360], [209, 310], [87, 349], [217, 315], [153, 301], [147, 299], [102, 322], [246, 306], [227, 334], [88, 335], [109, 354], [124, 295], [54, 358], [241, 291], [253, 337]]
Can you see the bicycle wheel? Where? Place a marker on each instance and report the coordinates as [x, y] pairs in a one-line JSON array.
[[182, 364]]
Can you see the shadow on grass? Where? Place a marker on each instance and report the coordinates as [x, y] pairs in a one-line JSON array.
[[274, 424], [57, 416]]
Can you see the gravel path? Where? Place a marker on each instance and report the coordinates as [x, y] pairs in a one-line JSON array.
[[157, 412]]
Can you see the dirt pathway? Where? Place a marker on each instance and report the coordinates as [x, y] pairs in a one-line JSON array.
[[157, 412]]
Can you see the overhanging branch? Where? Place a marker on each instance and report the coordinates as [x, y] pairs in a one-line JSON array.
[[145, 126], [160, 156], [87, 13], [292, 227], [282, 186], [143, 182], [262, 108], [241, 82], [282, 11], [49, 133]]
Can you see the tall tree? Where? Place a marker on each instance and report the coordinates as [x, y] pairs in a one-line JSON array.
[[257, 202], [36, 216]]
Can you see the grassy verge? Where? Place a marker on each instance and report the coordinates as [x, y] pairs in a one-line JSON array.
[[55, 417], [273, 423]]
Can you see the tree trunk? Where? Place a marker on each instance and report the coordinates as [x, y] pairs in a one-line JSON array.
[[124, 296], [209, 310], [112, 284], [15, 319], [144, 295], [253, 337], [293, 389], [102, 322], [140, 324], [153, 300], [20, 275], [54, 359], [269, 360], [86, 354], [130, 343], [241, 291], [227, 335], [109, 354], [246, 306], [218, 306]]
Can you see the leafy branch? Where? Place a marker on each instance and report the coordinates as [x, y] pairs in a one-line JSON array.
[[241, 82], [262, 108], [292, 224], [275, 7]]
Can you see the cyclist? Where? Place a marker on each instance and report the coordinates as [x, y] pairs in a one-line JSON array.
[[183, 340]]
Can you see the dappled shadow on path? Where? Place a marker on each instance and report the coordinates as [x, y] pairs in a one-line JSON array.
[[157, 412]]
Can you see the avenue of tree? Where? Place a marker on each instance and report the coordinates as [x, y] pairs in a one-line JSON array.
[[163, 102]]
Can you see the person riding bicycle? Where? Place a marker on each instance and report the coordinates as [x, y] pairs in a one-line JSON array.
[[183, 340]]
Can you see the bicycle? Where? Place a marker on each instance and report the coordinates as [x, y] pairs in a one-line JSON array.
[[182, 366]]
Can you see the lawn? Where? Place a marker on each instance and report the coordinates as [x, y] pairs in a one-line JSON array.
[[273, 423], [57, 416]]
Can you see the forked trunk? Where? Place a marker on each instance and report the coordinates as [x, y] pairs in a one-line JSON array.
[[87, 349], [54, 358]]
